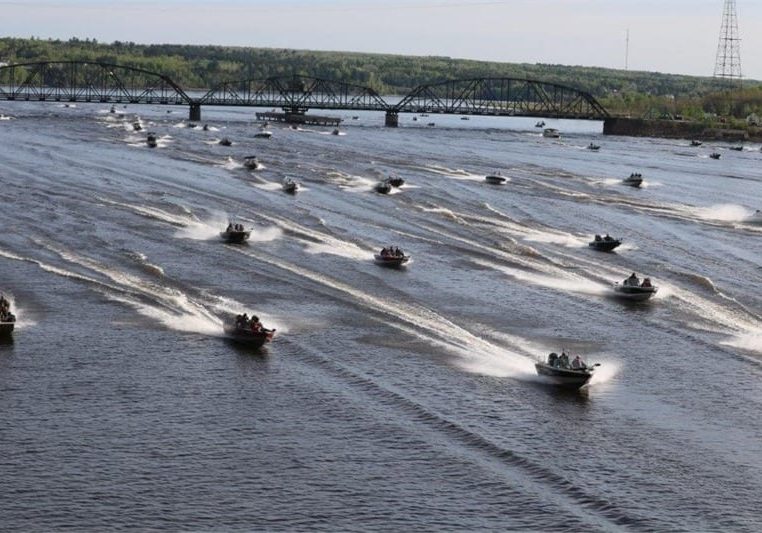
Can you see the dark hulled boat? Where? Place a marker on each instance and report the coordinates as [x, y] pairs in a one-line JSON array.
[[7, 319], [235, 236], [395, 181], [495, 179], [290, 186], [244, 334], [251, 162], [389, 258], [383, 187], [604, 244], [151, 140], [564, 377], [635, 180]]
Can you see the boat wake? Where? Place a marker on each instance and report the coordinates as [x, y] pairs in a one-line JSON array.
[[724, 213]]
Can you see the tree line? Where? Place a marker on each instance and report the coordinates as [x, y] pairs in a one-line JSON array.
[[195, 66]]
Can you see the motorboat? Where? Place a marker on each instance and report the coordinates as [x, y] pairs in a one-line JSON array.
[[431, 124], [395, 181], [737, 148], [249, 332], [7, 318], [465, 118], [715, 155], [495, 178], [696, 143], [192, 125], [335, 131], [540, 124], [593, 147], [290, 186], [263, 135], [383, 187], [632, 289], [151, 140], [551, 133], [235, 234], [355, 117], [635, 180], [604, 244], [562, 374], [756, 217], [137, 126], [205, 127], [251, 162], [225, 142], [112, 110], [391, 257]]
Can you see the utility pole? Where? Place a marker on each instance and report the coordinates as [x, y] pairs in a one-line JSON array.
[[627, 51]]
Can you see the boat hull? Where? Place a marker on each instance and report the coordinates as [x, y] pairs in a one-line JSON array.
[[495, 180], [634, 294], [254, 339], [6, 328], [383, 188], [564, 377], [235, 237], [251, 163], [392, 262], [604, 246]]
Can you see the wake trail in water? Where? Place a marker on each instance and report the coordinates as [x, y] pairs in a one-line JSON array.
[[412, 318]]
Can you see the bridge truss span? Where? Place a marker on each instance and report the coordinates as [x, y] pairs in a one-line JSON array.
[[296, 94], [78, 81], [502, 97]]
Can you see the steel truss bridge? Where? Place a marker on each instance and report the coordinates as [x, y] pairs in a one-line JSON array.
[[78, 81]]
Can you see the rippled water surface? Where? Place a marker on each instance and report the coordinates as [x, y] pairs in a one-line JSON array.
[[389, 400]]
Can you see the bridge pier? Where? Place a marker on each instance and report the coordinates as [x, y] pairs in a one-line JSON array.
[[195, 113], [392, 119]]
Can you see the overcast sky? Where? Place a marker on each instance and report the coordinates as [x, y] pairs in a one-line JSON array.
[[676, 36]]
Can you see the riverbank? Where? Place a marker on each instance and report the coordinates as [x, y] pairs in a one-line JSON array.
[[678, 129]]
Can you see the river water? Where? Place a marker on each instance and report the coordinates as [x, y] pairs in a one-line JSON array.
[[389, 400]]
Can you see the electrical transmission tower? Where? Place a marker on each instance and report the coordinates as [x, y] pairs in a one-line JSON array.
[[728, 63]]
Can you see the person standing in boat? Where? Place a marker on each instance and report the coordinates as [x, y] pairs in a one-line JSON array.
[[563, 360], [633, 280], [553, 359], [578, 363]]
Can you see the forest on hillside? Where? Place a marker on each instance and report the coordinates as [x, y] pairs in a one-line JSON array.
[[194, 66]]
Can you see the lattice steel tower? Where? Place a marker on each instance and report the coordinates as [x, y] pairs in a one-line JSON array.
[[728, 63]]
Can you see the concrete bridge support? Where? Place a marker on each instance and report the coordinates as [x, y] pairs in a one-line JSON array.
[[392, 119], [195, 113]]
